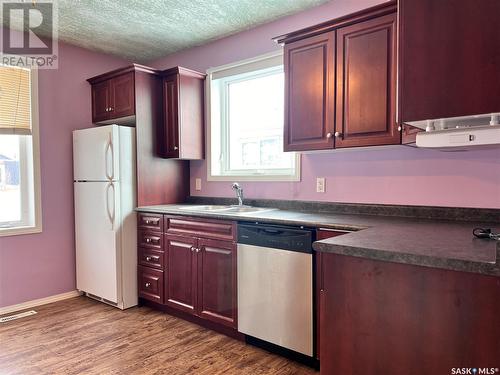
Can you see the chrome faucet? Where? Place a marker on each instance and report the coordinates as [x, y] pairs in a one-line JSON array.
[[239, 193]]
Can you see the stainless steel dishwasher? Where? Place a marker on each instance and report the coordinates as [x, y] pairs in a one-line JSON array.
[[275, 285]]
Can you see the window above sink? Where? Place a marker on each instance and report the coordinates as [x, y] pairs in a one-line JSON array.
[[246, 109]]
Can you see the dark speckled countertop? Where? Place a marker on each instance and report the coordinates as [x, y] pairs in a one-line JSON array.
[[423, 242]]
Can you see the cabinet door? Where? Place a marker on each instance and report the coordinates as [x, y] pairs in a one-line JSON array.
[[122, 95], [171, 116], [366, 84], [180, 266], [309, 93], [217, 281], [100, 101], [449, 58], [321, 234]]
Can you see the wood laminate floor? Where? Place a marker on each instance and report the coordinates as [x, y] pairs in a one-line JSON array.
[[82, 336]]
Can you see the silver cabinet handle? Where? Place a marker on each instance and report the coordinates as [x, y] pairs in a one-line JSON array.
[[337, 134], [198, 250], [399, 128], [328, 135], [176, 148], [148, 259], [193, 248], [147, 285], [148, 240]]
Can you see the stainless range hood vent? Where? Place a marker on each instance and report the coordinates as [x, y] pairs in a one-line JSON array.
[[459, 133]]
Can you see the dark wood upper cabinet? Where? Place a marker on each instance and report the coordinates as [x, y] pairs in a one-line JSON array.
[[113, 96], [217, 281], [171, 119], [101, 100], [309, 95], [449, 58], [340, 82], [122, 95], [183, 104], [366, 84], [133, 96]]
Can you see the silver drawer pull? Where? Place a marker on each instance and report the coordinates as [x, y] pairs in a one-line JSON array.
[[148, 259], [147, 285]]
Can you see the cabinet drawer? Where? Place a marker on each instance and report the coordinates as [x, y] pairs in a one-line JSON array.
[[150, 284], [150, 221], [152, 240], [151, 258], [217, 229]]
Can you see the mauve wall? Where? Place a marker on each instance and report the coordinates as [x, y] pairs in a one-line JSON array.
[[391, 175], [40, 265]]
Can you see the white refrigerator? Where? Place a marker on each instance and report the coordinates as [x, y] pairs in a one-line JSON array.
[[105, 221]]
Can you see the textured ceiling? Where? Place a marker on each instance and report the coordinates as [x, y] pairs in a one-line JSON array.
[[144, 30]]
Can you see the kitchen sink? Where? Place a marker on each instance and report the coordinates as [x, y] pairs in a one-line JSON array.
[[247, 209], [205, 208], [225, 209]]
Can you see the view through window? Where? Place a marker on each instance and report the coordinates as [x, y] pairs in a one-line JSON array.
[[17, 180], [247, 119]]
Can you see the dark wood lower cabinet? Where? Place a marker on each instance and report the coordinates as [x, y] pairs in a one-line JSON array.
[[388, 318], [180, 283], [321, 234], [150, 284], [194, 260], [217, 281], [201, 277]]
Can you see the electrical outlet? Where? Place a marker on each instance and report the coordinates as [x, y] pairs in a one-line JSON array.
[[197, 184], [320, 185]]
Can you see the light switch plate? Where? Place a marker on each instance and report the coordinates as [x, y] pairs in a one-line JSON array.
[[197, 184], [320, 185]]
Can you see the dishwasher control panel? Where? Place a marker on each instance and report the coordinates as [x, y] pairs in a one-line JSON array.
[[276, 236]]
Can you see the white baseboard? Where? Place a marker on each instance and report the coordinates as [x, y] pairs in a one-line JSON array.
[[39, 302]]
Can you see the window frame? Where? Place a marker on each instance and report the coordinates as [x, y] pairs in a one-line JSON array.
[[28, 205], [241, 175]]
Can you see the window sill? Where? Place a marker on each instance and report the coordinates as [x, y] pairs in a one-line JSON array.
[[17, 231]]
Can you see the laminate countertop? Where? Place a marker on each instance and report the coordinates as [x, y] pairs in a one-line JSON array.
[[429, 243]]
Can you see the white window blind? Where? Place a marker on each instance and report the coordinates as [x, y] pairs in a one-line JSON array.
[[15, 103]]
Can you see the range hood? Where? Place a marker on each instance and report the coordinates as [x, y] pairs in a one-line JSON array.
[[459, 133]]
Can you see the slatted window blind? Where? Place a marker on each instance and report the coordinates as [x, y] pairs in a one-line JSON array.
[[15, 101]]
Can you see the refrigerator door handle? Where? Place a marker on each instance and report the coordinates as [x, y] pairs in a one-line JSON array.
[[110, 150], [111, 213]]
